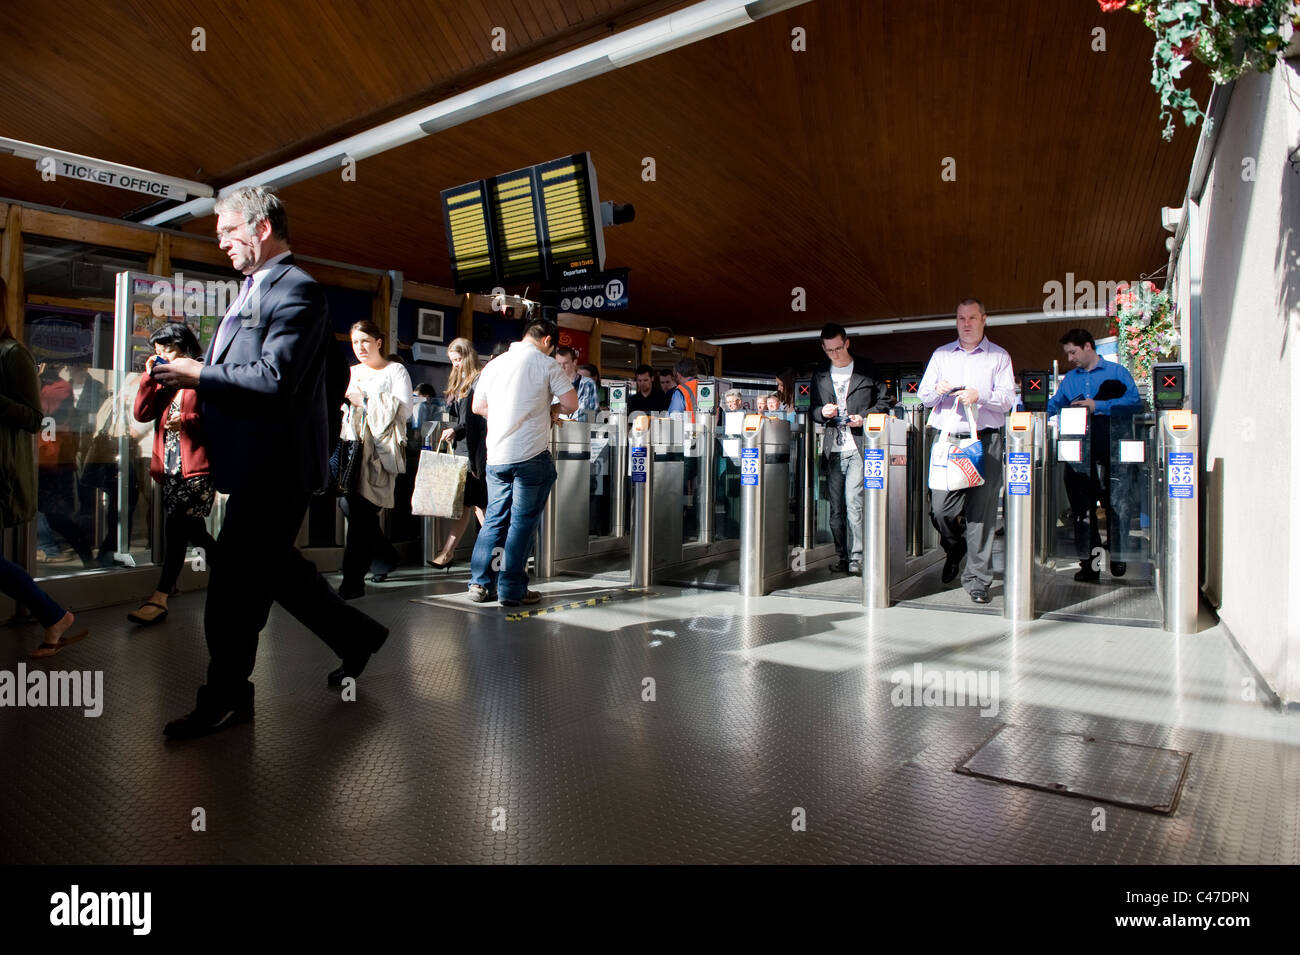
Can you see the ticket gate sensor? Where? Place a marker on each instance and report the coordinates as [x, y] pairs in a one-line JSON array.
[[563, 529], [1168, 387], [1019, 477], [764, 501], [1177, 570], [875, 512], [1033, 390], [802, 394], [909, 391]]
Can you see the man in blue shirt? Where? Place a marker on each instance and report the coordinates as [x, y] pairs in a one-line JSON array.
[[588, 396], [1109, 393]]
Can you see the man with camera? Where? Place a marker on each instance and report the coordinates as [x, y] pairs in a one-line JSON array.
[[844, 393]]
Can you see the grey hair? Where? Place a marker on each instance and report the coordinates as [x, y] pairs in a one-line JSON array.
[[253, 204], [972, 301], [734, 393]]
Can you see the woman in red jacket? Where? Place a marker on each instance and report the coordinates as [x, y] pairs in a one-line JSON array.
[[179, 464]]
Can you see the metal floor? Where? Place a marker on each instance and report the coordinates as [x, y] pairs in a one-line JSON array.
[[765, 711]]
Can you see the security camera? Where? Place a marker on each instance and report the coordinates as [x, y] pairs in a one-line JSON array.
[[672, 342]]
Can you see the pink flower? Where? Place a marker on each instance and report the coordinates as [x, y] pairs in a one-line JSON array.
[[1108, 5], [1245, 3]]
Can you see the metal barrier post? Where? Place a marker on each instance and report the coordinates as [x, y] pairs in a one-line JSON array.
[[917, 467], [641, 477], [1179, 591], [1019, 471], [545, 553], [706, 445], [875, 512], [618, 474], [751, 507]]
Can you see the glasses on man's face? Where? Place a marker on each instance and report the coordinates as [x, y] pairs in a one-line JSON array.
[[836, 350]]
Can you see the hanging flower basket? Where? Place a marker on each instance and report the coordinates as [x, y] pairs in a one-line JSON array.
[[1145, 322], [1228, 36]]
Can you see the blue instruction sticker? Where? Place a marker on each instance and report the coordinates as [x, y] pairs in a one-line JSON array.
[[638, 468], [749, 467], [1182, 475], [1018, 471], [873, 469]]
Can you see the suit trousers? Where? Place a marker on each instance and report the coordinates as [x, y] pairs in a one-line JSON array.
[[979, 505], [844, 488], [259, 565]]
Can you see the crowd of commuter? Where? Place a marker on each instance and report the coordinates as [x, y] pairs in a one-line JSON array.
[[251, 419]]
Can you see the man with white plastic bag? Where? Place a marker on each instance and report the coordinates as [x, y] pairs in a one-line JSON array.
[[968, 383]]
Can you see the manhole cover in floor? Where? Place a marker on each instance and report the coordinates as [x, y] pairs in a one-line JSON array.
[[1073, 764]]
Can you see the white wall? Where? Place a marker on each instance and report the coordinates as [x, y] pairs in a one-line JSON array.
[[1250, 363]]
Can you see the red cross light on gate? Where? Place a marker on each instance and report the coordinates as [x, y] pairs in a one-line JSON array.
[[911, 387], [1171, 381], [1035, 384], [803, 389]]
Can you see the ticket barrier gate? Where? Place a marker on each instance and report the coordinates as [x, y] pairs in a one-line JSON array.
[[764, 504], [1031, 471], [588, 498], [655, 473]]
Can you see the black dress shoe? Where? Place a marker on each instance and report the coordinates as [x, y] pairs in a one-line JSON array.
[[354, 664], [1117, 568], [952, 563], [209, 716], [352, 593], [979, 596], [1086, 575], [840, 566]]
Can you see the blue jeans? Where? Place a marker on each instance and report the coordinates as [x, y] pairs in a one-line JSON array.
[[516, 495], [18, 586]]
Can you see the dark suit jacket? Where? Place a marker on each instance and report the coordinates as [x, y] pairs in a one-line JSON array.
[[866, 396], [262, 398]]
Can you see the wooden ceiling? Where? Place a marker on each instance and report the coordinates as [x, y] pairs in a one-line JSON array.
[[775, 169]]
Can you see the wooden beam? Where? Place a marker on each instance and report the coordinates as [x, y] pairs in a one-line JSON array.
[[647, 352], [582, 323], [465, 327], [160, 263], [11, 267], [192, 248], [81, 304], [343, 278], [433, 294], [380, 315], [56, 225]]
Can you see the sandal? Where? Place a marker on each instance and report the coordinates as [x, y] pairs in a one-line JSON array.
[[136, 617], [50, 649]]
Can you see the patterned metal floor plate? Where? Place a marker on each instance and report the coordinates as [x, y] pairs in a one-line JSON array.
[[1075, 764]]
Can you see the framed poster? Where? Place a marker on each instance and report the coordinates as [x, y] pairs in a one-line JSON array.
[[429, 324]]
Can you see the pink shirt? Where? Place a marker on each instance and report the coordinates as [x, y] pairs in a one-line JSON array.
[[987, 369]]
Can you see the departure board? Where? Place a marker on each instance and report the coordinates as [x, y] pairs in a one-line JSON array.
[[540, 224], [573, 236], [465, 214], [514, 217]]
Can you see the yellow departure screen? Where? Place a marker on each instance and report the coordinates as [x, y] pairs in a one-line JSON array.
[[567, 214], [518, 244], [465, 210]]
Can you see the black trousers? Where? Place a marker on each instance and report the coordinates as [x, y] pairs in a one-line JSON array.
[[178, 530], [365, 542], [1101, 480], [258, 565]]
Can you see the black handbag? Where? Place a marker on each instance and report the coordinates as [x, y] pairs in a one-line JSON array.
[[344, 465]]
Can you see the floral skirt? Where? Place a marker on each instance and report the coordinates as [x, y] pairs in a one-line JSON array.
[[189, 496]]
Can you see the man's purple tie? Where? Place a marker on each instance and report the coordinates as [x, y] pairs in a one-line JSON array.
[[227, 329]]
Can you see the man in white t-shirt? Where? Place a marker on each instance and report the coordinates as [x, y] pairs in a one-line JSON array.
[[843, 395], [514, 393]]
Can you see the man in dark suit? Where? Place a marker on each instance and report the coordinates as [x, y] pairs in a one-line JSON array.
[[844, 393], [263, 409]]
